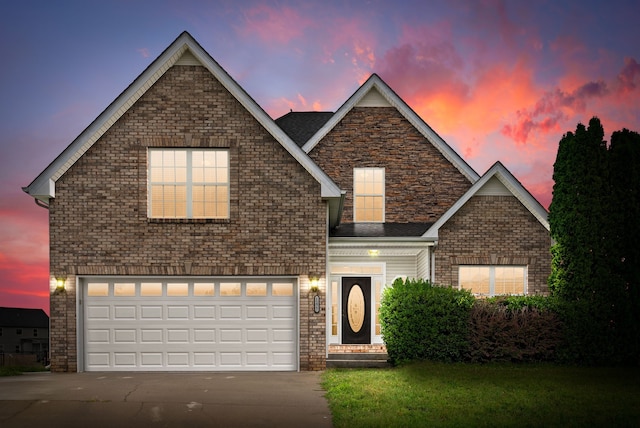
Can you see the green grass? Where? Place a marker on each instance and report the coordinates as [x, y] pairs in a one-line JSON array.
[[18, 370], [466, 395]]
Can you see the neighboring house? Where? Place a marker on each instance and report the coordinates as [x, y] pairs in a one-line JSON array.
[[24, 331], [190, 231]]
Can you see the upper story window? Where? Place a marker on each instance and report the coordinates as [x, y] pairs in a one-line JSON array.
[[188, 183], [486, 281], [368, 193]]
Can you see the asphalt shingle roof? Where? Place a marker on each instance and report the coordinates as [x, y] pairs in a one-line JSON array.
[[300, 126], [379, 230], [19, 317]]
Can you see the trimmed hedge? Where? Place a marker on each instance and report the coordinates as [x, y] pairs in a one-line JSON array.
[[513, 330], [421, 321]]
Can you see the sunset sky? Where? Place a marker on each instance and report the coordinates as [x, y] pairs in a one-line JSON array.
[[498, 80]]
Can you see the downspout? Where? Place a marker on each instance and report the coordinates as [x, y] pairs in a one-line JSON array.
[[41, 204]]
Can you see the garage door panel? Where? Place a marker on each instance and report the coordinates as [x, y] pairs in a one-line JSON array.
[[177, 335], [228, 312], [151, 336], [177, 359], [151, 312], [230, 335], [124, 312], [98, 336], [283, 312], [124, 359], [187, 331], [201, 335], [124, 336], [97, 312], [151, 359], [99, 359], [204, 359], [177, 312], [204, 312], [257, 312], [231, 359], [283, 335]]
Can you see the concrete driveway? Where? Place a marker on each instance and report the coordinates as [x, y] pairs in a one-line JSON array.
[[163, 400]]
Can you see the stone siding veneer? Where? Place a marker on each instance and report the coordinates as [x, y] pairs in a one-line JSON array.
[[421, 184]]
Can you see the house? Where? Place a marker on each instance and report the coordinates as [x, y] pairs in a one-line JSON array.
[[191, 231], [24, 331]]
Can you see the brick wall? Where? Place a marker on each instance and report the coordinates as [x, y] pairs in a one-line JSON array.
[[99, 224], [496, 230], [421, 184]]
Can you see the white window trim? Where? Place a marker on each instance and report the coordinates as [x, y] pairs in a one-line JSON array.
[[492, 277], [384, 193], [189, 182]]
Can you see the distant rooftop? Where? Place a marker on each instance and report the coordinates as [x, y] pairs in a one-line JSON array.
[[300, 126], [19, 317]]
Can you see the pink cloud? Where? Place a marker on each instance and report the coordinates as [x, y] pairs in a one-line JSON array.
[[273, 24], [24, 253], [629, 77], [144, 52], [558, 106]]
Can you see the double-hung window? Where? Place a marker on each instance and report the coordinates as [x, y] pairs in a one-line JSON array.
[[368, 191], [188, 183], [493, 280]]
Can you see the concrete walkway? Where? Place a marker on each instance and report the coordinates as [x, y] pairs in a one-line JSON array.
[[164, 400]]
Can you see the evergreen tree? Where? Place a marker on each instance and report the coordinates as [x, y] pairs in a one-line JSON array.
[[576, 212], [624, 229], [594, 218]]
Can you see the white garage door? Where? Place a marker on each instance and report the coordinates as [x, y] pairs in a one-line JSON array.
[[185, 324]]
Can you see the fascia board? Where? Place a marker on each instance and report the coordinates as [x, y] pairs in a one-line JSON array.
[[110, 115], [142, 83], [354, 242], [406, 111], [328, 187], [510, 182]]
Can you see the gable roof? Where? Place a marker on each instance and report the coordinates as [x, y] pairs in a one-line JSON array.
[[376, 89], [19, 317], [302, 125], [184, 48], [511, 185]]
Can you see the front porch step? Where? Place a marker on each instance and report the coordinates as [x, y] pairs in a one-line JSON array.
[[353, 360]]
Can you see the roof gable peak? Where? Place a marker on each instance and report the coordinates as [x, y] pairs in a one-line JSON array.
[[374, 92], [184, 50], [511, 185]]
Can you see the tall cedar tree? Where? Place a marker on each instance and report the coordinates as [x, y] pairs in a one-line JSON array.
[[624, 167], [596, 257], [577, 212]]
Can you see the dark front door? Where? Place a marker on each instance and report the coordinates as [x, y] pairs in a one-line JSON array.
[[356, 314]]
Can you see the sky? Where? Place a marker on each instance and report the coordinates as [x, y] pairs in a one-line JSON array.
[[497, 80]]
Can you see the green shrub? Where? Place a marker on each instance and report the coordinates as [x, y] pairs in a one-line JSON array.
[[421, 321], [514, 329]]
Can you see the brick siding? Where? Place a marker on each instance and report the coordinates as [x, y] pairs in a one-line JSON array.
[[421, 184], [99, 224], [494, 230]]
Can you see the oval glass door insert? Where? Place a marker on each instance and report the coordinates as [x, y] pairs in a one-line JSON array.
[[355, 308]]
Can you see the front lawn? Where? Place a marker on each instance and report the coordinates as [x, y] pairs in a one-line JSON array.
[[18, 370], [468, 395]]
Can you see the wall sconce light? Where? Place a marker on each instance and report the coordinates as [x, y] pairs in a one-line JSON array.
[[314, 283], [60, 284], [373, 253]]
